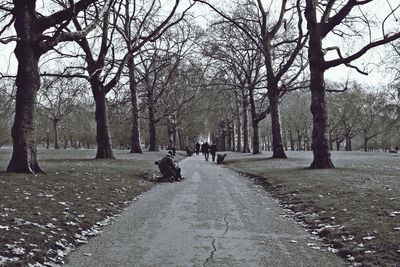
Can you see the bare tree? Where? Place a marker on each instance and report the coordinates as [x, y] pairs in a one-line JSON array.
[[36, 34], [104, 66], [378, 116], [159, 65], [279, 47], [324, 17], [179, 99], [7, 98], [140, 23], [57, 99]]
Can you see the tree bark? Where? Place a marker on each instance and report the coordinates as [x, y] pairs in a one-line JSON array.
[[256, 138], [47, 139], [366, 144], [292, 142], [245, 127], [170, 133], [338, 145], [24, 155], [320, 147], [229, 135], [174, 132], [152, 126], [135, 130], [55, 124], [223, 136], [103, 138], [255, 123], [348, 144], [277, 146], [233, 137], [298, 141], [239, 129]]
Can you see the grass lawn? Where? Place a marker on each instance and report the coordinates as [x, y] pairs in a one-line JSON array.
[[355, 208], [43, 216]]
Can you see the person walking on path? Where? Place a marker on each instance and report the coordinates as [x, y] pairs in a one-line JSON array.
[[197, 148], [213, 151], [206, 150]]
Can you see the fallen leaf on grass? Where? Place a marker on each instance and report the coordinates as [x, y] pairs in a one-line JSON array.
[[394, 213], [18, 251], [368, 237], [333, 250], [7, 228]]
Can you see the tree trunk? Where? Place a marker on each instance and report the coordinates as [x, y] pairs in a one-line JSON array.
[[103, 138], [330, 142], [285, 142], [181, 140], [298, 140], [348, 144], [338, 145], [174, 144], [24, 155], [47, 139], [135, 131], [55, 124], [152, 126], [246, 148], [256, 138], [170, 133], [320, 146], [366, 144], [223, 136], [229, 135], [276, 130], [322, 155], [233, 137], [255, 123], [292, 142], [239, 130]]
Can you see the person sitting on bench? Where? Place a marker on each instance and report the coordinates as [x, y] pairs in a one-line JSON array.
[[169, 169], [220, 158]]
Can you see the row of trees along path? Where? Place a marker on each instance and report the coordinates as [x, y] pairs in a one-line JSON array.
[[271, 50]]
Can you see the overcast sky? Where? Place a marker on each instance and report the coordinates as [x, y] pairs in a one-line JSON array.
[[372, 61]]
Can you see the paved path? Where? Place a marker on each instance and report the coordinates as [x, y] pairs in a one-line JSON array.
[[213, 218]]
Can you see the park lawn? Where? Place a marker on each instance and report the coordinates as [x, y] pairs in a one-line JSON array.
[[43, 216], [354, 208]]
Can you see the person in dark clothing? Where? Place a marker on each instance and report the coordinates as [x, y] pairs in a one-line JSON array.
[[188, 151], [206, 150], [197, 148], [213, 151], [169, 169], [220, 158]]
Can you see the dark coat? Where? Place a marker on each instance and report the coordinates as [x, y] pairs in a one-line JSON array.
[[213, 149]]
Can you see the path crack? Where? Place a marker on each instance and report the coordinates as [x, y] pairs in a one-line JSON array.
[[226, 224], [212, 252]]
